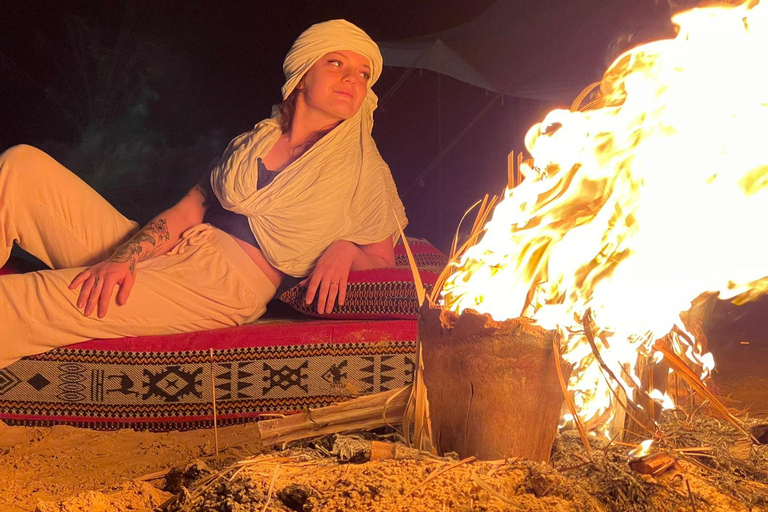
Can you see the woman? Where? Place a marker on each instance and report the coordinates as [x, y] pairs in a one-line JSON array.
[[305, 193]]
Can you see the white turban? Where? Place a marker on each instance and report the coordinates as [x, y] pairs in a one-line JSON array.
[[323, 38], [339, 189]]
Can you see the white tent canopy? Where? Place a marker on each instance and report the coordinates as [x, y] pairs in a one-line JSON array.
[[541, 49]]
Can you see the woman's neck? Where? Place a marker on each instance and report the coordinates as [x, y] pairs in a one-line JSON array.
[[307, 123]]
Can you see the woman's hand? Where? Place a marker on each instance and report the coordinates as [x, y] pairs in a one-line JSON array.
[[329, 278], [157, 237], [99, 281]]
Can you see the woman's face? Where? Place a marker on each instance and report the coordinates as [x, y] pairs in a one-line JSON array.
[[335, 86]]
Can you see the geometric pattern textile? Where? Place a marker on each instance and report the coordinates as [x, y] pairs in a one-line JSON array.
[[163, 383], [383, 293]]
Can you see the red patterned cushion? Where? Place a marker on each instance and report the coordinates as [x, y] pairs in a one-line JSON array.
[[384, 293]]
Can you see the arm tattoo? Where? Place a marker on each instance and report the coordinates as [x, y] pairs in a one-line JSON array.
[[205, 189], [154, 234]]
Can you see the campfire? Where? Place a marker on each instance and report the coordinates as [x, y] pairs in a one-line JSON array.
[[589, 280], [636, 201]]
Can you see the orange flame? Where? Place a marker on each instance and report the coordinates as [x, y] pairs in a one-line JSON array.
[[637, 206]]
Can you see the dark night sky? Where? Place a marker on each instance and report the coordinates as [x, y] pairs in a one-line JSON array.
[[230, 52], [213, 69]]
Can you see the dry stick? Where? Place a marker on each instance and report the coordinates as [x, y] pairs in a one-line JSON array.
[[420, 291], [422, 434], [244, 464], [386, 407], [628, 445], [422, 420], [271, 487], [248, 437], [681, 368], [482, 215], [581, 457], [167, 503], [576, 105], [455, 242], [438, 473], [419, 413], [605, 449], [695, 411], [690, 495], [651, 403], [594, 103], [587, 324], [571, 468], [511, 171], [456, 254], [691, 404], [567, 396], [153, 476], [628, 431], [215, 412], [503, 461], [492, 492], [482, 209]]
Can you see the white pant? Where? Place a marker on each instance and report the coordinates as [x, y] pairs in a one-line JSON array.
[[206, 282]]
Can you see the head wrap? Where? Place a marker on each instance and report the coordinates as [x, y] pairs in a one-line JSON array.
[[323, 38], [339, 189]]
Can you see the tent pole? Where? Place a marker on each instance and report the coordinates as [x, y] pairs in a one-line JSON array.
[[439, 151], [394, 87], [449, 147]]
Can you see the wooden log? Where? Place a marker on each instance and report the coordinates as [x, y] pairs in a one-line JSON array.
[[381, 450], [643, 425], [656, 375], [492, 386], [366, 412]]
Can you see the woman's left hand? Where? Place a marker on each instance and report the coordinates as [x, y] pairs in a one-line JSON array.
[[329, 278]]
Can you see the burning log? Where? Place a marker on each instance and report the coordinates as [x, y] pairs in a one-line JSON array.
[[493, 387]]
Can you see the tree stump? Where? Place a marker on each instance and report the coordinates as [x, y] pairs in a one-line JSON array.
[[492, 386]]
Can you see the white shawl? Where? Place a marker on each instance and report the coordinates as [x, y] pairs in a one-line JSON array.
[[339, 189]]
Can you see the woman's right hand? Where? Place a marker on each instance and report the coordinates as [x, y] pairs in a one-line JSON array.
[[98, 282]]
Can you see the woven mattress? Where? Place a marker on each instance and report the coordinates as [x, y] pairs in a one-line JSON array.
[[164, 383]]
